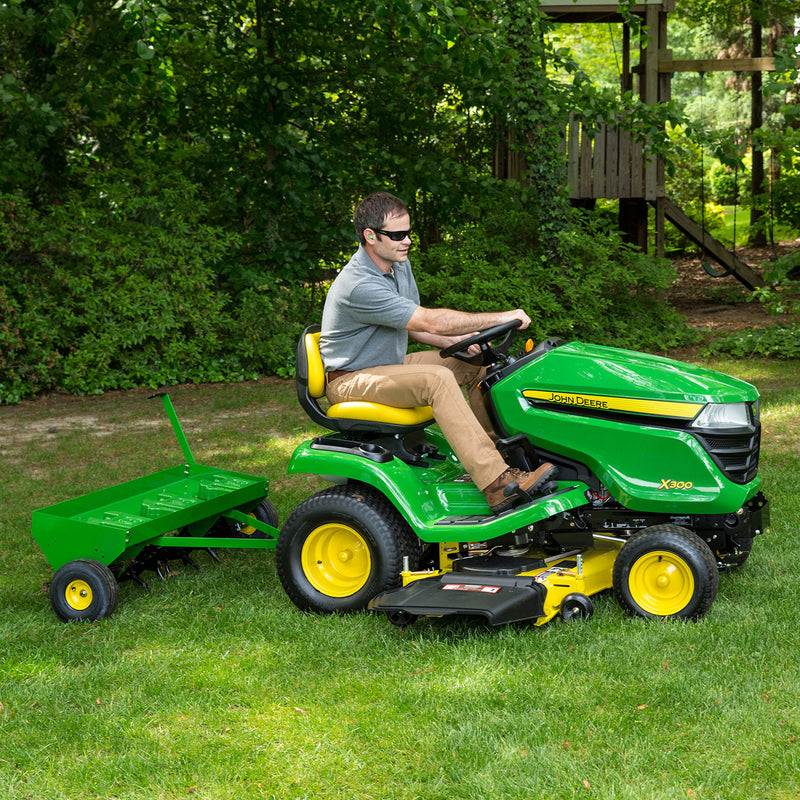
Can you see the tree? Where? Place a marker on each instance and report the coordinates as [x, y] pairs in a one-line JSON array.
[[743, 22]]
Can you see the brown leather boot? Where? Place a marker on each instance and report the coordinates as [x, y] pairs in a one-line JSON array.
[[505, 491]]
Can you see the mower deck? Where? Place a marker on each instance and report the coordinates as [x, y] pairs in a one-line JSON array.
[[502, 588]]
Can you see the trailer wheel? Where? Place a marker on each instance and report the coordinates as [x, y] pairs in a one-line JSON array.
[[666, 571], [341, 547], [264, 512], [84, 590]]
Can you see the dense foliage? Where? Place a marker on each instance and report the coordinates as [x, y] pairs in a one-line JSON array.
[[177, 179], [585, 284]]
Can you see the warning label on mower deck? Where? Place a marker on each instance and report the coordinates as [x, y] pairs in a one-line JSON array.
[[471, 587]]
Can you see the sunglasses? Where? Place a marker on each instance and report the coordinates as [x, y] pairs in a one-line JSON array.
[[395, 236]]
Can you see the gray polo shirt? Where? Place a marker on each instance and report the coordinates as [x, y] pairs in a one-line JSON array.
[[365, 314]]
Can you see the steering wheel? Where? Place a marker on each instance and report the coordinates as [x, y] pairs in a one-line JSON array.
[[488, 355]]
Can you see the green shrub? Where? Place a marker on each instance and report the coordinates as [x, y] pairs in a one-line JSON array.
[[786, 198], [268, 321], [112, 290], [726, 185], [584, 283], [775, 341]]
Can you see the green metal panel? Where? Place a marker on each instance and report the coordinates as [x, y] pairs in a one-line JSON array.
[[436, 502], [625, 415], [116, 522]]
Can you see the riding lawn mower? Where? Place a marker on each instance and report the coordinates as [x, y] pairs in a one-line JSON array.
[[657, 491]]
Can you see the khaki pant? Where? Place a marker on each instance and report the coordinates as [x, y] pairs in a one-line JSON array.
[[426, 379]]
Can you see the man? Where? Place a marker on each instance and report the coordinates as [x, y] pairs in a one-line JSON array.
[[372, 308]]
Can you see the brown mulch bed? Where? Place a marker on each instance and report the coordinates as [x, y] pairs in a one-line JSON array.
[[718, 305]]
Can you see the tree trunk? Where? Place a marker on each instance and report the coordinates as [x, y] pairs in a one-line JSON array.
[[758, 235]]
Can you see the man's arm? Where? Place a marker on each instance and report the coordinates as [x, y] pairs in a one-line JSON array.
[[438, 341], [439, 322]]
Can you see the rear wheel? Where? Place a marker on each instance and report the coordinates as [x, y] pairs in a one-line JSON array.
[[666, 571], [341, 547], [84, 590]]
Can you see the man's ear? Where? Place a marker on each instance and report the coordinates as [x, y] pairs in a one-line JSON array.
[[369, 234]]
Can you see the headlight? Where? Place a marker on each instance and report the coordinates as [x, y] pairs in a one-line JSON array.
[[723, 415]]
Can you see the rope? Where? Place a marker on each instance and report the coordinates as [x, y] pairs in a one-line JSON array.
[[703, 252]]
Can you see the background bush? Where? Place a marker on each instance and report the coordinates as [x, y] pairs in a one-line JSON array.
[[728, 185], [581, 283], [112, 291], [130, 296]]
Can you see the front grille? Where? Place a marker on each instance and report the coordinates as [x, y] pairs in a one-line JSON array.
[[736, 454]]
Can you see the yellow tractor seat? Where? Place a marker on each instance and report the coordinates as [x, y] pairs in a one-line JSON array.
[[352, 415]]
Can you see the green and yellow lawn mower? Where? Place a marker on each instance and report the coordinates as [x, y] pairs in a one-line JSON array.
[[657, 491]]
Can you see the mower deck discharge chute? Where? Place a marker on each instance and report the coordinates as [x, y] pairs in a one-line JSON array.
[[657, 491]]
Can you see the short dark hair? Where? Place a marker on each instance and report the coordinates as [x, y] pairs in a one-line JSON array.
[[374, 210]]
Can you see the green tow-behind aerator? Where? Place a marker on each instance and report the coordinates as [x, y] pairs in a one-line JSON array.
[[114, 534], [658, 489]]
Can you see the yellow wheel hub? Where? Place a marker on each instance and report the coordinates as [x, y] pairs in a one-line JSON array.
[[661, 582], [336, 559], [248, 530], [78, 595]]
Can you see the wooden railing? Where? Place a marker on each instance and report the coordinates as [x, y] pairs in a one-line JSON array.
[[607, 161]]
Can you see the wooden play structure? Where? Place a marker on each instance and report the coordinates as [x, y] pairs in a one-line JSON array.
[[605, 161]]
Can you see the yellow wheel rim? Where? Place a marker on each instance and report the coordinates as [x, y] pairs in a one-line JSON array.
[[336, 559], [248, 530], [661, 582], [78, 595]]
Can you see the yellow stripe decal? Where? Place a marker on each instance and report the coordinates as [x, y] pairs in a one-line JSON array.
[[661, 408]]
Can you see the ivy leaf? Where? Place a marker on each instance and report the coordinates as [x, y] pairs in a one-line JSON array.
[[145, 50]]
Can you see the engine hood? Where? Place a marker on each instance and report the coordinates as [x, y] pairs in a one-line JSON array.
[[607, 378]]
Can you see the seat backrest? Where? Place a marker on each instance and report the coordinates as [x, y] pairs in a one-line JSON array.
[[310, 375], [353, 415], [316, 369]]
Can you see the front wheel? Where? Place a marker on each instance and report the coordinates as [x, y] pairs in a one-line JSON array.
[[84, 590], [666, 571], [576, 606], [341, 547]]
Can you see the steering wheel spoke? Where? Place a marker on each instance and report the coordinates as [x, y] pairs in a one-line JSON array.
[[489, 355]]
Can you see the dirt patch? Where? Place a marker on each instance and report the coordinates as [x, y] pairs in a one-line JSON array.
[[50, 417], [719, 305]]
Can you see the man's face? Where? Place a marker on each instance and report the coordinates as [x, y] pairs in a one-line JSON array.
[[384, 250]]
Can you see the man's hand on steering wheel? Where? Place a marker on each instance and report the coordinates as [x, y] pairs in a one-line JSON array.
[[475, 349]]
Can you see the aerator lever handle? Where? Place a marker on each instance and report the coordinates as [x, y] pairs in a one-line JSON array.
[[176, 426]]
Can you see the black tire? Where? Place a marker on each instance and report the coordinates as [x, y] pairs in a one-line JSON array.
[[576, 606], [341, 547], [665, 571], [84, 590], [265, 512]]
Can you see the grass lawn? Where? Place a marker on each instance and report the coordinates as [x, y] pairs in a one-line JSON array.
[[738, 218], [214, 686]]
